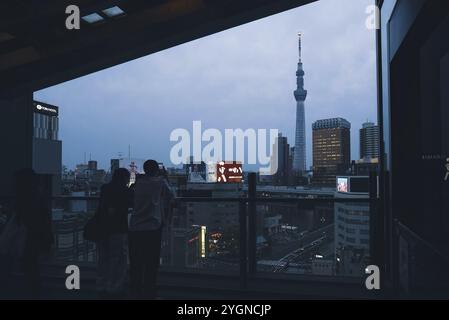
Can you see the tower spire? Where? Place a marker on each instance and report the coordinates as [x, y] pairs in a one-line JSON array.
[[300, 92], [299, 156]]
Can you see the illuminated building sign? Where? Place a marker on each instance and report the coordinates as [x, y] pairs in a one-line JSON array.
[[134, 166], [342, 185], [211, 172], [203, 242], [353, 184], [229, 172], [45, 108]]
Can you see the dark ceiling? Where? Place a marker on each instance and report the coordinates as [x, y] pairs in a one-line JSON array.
[[37, 51]]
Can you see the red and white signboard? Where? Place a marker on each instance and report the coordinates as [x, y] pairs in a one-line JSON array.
[[229, 172]]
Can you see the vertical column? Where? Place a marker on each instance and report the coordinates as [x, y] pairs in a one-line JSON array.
[[16, 138], [252, 222], [243, 245]]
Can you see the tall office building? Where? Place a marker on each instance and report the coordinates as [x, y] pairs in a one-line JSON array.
[[369, 141], [282, 161], [331, 149], [46, 148], [299, 159]]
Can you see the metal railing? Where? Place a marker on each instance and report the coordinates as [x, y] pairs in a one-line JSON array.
[[247, 218], [422, 266], [248, 221], [402, 229], [247, 214]]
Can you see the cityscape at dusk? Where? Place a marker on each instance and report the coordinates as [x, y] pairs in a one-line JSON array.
[[325, 157], [259, 150], [248, 70]]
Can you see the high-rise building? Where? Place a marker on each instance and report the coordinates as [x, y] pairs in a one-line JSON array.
[[299, 159], [47, 149], [369, 141], [331, 149], [352, 226], [282, 161]]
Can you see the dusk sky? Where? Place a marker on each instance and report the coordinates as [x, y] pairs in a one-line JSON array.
[[240, 78]]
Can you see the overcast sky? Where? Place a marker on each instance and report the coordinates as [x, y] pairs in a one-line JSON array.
[[240, 78]]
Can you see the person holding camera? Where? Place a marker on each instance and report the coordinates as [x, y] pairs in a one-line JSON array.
[[152, 195]]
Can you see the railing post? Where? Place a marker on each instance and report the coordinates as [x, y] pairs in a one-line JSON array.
[[243, 245], [376, 224], [252, 223]]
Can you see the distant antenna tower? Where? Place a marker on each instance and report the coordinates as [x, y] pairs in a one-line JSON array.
[[129, 151]]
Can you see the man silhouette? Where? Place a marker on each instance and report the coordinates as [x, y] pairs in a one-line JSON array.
[[151, 194]]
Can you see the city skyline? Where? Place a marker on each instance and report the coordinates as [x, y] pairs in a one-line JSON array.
[[228, 217], [122, 156], [254, 74]]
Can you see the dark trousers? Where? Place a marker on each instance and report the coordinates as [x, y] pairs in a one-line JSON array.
[[144, 257], [112, 264]]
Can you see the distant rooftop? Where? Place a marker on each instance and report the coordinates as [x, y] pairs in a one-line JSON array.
[[368, 125], [331, 124]]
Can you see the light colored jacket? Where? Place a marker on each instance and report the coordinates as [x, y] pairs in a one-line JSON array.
[[151, 196]]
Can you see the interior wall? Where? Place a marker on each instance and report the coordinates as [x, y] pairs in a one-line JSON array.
[[419, 127], [16, 138]]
